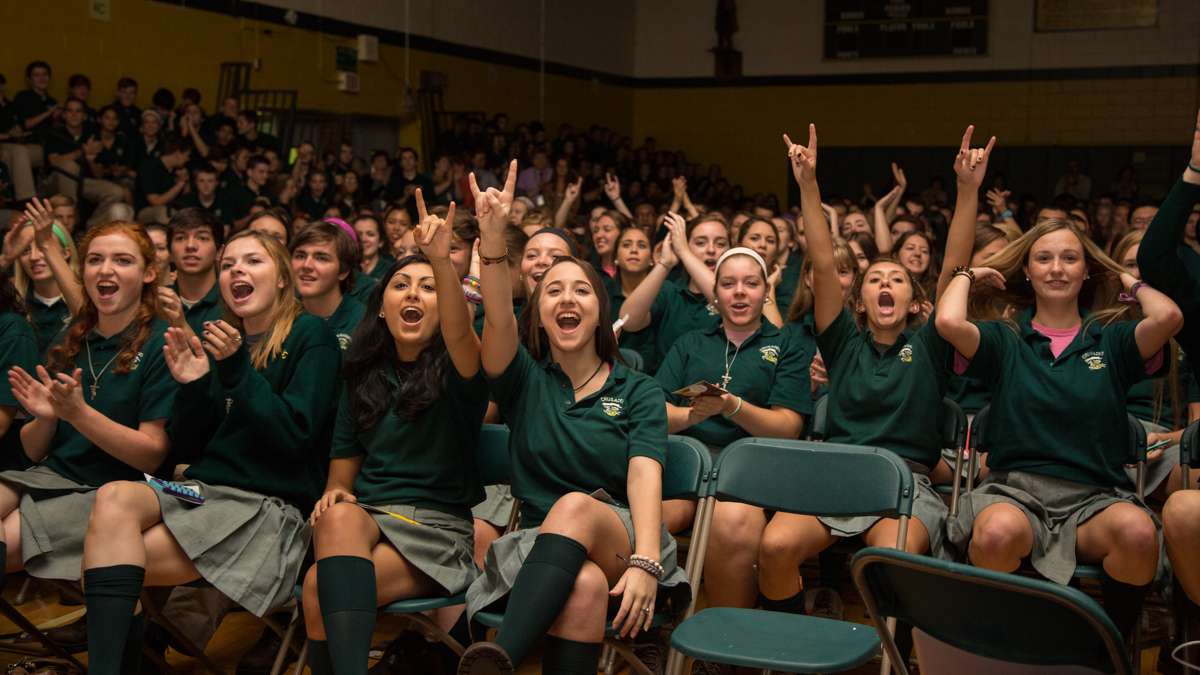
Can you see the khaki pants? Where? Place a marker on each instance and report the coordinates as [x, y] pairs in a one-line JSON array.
[[95, 190], [21, 160]]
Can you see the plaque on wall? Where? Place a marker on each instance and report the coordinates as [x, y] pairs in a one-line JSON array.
[[1066, 15], [868, 29]]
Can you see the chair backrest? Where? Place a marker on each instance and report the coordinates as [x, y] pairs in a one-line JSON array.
[[1189, 446], [1137, 435], [808, 477], [689, 464], [495, 468], [990, 614], [633, 359], [952, 420]]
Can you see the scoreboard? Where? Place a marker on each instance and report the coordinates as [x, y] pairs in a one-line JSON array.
[[870, 29]]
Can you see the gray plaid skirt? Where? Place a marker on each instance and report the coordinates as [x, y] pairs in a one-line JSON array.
[[54, 521], [1055, 509], [496, 507], [442, 546], [928, 507], [247, 545], [508, 553]]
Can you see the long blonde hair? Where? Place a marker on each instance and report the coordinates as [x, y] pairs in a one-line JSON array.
[[287, 304], [1164, 386], [22, 281], [1101, 286], [802, 301]]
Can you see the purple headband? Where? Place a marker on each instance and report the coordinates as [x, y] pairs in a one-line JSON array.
[[344, 225]]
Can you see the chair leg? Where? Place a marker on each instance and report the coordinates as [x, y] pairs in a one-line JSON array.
[[429, 628], [608, 659], [614, 649], [302, 659], [281, 655], [14, 615]]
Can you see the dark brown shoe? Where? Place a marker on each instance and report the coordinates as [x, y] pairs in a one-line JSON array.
[[485, 658]]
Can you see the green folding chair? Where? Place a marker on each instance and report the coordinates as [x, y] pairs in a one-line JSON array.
[[686, 476], [494, 469], [953, 431], [968, 619], [795, 477], [1189, 451]]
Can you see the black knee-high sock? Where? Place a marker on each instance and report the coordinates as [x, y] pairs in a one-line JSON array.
[[131, 658], [793, 604], [111, 594], [1123, 602], [568, 657], [540, 591], [346, 589], [318, 658]]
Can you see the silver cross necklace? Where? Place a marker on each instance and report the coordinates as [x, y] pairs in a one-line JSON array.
[[95, 385]]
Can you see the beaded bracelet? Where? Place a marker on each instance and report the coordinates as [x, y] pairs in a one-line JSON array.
[[647, 565], [964, 271]]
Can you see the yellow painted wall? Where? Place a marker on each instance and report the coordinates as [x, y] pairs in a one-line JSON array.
[[740, 127], [176, 47]]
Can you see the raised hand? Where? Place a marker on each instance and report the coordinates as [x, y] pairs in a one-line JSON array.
[[1195, 161], [989, 276], [220, 339], [169, 305], [31, 393], [970, 165], [665, 254], [677, 229], [433, 233], [16, 240], [803, 158], [999, 200], [901, 179], [492, 206], [612, 187], [679, 186], [185, 356], [41, 214], [573, 189]]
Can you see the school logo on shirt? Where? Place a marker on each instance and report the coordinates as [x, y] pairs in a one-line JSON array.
[[343, 341], [906, 354], [137, 361], [283, 354], [612, 406], [770, 353], [1094, 360]]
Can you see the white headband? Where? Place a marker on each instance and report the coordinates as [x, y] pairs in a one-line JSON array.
[[742, 250]]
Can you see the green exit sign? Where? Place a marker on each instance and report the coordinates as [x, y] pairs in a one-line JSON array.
[[347, 59]]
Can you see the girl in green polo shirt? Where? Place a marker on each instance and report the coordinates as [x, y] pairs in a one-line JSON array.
[[634, 258], [49, 305], [99, 406], [887, 376], [800, 330], [766, 380], [673, 308], [587, 442], [1057, 429], [18, 349], [375, 261], [405, 442], [761, 236], [254, 414]]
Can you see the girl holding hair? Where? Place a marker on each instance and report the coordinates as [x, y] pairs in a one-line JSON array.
[[405, 442], [887, 376], [98, 407], [45, 279], [800, 330], [1057, 491], [254, 416], [588, 439], [673, 308]]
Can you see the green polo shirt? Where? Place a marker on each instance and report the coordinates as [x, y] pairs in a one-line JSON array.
[[18, 347], [887, 397], [1062, 417], [205, 309], [560, 445], [382, 265], [766, 370], [265, 431], [677, 311], [345, 319], [426, 461], [362, 286], [1150, 399], [154, 178], [145, 393], [47, 320], [642, 341]]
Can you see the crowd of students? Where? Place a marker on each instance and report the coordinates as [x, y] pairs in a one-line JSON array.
[[322, 370]]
